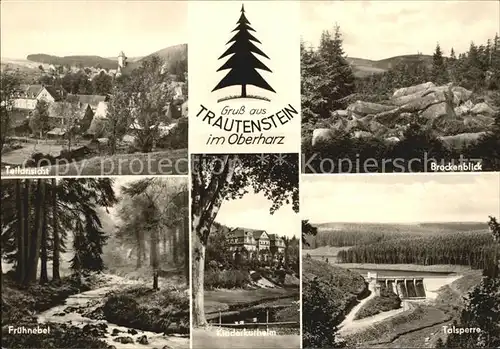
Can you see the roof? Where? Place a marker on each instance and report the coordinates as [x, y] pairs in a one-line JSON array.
[[97, 126], [57, 132], [92, 100], [258, 233], [33, 90], [57, 109], [102, 110], [239, 232], [52, 91]]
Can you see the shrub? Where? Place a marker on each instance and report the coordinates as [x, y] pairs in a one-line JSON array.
[[231, 278]]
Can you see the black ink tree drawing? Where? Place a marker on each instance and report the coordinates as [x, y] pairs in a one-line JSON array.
[[243, 63]]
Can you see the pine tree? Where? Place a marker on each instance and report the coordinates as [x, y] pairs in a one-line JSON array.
[[243, 63], [438, 66], [340, 81], [311, 82]]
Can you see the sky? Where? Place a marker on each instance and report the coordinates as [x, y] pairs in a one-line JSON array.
[[93, 27], [402, 198], [382, 29], [252, 211]]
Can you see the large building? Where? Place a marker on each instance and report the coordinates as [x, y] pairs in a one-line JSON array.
[[256, 242]]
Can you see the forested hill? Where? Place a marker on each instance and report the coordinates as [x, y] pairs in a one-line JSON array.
[[86, 61], [171, 54], [365, 67]]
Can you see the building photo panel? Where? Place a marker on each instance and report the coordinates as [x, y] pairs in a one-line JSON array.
[[245, 250], [401, 261], [93, 96], [377, 98], [95, 262]]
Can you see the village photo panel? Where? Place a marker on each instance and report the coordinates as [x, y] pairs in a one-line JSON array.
[[400, 261], [245, 250], [376, 98], [95, 262], [96, 97]]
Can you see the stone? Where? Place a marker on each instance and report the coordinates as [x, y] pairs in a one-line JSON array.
[[341, 113], [111, 347], [166, 347], [364, 108], [362, 134], [484, 109], [460, 94], [462, 139], [142, 340], [124, 340], [392, 139], [132, 331], [437, 110], [412, 89], [321, 136], [115, 332]]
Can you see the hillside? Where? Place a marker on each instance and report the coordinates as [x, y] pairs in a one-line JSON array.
[[343, 286], [365, 67], [170, 54], [86, 61]]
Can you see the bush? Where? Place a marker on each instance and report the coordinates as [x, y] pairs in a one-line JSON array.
[[143, 308], [232, 278]]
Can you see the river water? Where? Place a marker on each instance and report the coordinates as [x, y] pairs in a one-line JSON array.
[[91, 299]]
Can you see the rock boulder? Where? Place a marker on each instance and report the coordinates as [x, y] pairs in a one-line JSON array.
[[364, 108], [483, 109], [412, 89], [322, 136]]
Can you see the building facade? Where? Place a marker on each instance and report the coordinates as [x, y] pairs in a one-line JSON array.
[[256, 243]]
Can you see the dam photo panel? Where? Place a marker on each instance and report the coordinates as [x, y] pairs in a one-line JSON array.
[[400, 86], [96, 88], [400, 261], [95, 262], [245, 250]]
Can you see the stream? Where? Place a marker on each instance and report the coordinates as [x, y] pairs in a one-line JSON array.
[[68, 313]]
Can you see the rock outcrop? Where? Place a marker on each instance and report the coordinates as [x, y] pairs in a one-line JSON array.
[[447, 109]]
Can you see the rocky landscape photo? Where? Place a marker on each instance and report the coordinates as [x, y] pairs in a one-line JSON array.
[[442, 103]]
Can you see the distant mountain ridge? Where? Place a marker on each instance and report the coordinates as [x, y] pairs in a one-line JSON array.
[[364, 67], [170, 54]]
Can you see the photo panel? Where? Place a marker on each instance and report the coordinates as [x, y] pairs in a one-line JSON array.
[[245, 250], [379, 98], [104, 96], [400, 261], [95, 262], [245, 77]]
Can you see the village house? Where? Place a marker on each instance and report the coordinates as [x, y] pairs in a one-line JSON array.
[[29, 95], [60, 114], [92, 100]]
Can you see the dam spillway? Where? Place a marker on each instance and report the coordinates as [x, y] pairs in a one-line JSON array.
[[404, 287]]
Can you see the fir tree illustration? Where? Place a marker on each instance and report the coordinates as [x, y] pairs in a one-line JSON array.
[[243, 63]]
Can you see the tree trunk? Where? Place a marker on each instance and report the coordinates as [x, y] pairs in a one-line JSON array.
[[21, 258], [206, 202], [154, 257], [44, 278], [27, 233], [243, 90], [175, 233], [199, 319], [164, 243], [57, 242], [37, 232], [186, 247], [139, 250]]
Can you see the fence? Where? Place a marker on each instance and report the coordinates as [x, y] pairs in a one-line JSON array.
[[266, 324]]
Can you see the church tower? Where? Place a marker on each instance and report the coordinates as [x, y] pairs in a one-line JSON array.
[[122, 63]]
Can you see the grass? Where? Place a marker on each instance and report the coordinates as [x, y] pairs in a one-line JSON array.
[[409, 321], [228, 279], [224, 300], [169, 162]]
